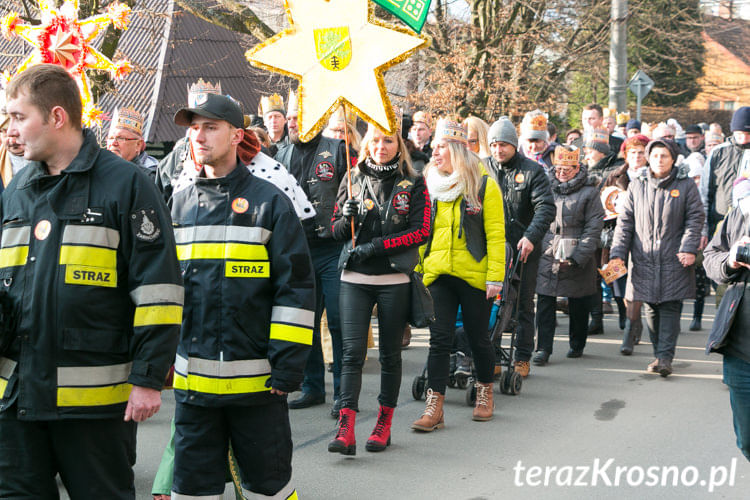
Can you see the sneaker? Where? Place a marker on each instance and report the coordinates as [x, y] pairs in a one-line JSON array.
[[522, 367], [463, 365], [651, 368]]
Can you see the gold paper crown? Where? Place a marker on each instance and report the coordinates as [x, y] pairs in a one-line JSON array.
[[423, 117], [566, 158], [338, 117], [270, 103], [292, 104], [622, 118], [201, 88], [597, 135], [129, 119], [538, 122], [450, 131], [607, 112]]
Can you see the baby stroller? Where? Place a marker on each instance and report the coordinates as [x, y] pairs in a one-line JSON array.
[[506, 321]]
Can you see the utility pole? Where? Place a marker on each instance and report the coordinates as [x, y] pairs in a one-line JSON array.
[[618, 57]]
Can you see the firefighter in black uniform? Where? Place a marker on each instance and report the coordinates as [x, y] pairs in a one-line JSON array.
[[249, 308], [319, 165], [89, 267]]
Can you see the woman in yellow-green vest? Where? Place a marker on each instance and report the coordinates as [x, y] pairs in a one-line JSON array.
[[463, 264]]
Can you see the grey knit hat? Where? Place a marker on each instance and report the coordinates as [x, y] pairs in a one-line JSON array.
[[503, 130]]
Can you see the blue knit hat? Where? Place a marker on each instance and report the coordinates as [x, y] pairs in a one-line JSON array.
[[741, 120], [633, 124]]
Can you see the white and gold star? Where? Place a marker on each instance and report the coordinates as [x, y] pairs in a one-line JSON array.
[[339, 52]]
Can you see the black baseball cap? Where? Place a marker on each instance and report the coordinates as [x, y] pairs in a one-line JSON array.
[[216, 106]]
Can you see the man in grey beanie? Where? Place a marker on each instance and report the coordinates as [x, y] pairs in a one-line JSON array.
[[529, 210]]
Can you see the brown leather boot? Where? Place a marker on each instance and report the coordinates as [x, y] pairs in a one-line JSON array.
[[484, 404], [432, 418]]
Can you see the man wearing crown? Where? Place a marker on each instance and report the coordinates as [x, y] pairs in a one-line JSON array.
[[125, 139], [274, 119]]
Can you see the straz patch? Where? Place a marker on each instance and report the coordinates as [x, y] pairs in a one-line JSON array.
[[240, 205], [519, 178], [405, 183], [675, 193], [145, 225], [247, 269], [369, 204], [86, 275], [473, 209], [400, 202], [324, 170]]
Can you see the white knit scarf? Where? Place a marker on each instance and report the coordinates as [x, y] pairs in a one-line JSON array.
[[444, 187]]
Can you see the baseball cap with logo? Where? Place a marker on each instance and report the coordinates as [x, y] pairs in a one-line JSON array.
[[216, 106]]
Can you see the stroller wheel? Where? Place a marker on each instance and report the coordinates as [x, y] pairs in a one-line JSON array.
[[471, 395], [462, 381], [452, 381], [417, 387], [505, 381], [516, 381]]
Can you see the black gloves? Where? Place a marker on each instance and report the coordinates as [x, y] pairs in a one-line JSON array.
[[362, 252], [350, 208]]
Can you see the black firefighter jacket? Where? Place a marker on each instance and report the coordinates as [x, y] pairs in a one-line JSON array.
[[88, 261], [249, 291]]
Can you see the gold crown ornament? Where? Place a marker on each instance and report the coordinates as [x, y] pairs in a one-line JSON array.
[[292, 104], [607, 112], [597, 135], [200, 88], [129, 119], [423, 117], [622, 118], [273, 102], [538, 122], [566, 158], [450, 131]]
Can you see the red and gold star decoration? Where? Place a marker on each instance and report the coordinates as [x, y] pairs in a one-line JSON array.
[[65, 40]]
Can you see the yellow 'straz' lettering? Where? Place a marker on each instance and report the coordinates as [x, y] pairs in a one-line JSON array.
[[86, 275], [247, 269]]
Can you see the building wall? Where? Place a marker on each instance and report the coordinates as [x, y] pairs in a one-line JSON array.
[[726, 80]]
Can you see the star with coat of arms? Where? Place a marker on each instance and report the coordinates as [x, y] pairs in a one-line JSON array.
[[339, 52]]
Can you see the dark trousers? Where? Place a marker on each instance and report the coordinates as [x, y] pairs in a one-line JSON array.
[[356, 302], [447, 293], [663, 321], [327, 280], [737, 378], [578, 311], [261, 442], [94, 458], [525, 335]]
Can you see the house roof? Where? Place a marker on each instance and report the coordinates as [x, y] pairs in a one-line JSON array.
[[169, 50], [733, 35]]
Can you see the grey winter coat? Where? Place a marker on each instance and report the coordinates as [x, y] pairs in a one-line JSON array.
[[660, 218], [579, 217]]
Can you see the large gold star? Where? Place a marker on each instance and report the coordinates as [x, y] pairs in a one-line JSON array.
[[339, 52]]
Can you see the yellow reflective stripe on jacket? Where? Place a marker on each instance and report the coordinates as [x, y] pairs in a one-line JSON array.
[[93, 396], [290, 333], [229, 251], [157, 315], [7, 367], [15, 236], [208, 385], [240, 234], [214, 368], [91, 235], [93, 385], [88, 256], [158, 294], [13, 256]]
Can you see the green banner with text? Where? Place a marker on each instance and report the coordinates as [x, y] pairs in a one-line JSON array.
[[412, 12]]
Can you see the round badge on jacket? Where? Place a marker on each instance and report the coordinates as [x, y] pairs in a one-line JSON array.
[[240, 205], [519, 178], [369, 204], [42, 229], [675, 193]]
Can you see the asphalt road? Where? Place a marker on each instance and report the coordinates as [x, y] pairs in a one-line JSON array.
[[575, 422]]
